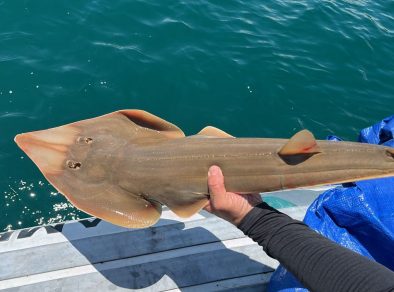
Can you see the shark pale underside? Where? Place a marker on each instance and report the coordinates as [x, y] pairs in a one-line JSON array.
[[123, 166]]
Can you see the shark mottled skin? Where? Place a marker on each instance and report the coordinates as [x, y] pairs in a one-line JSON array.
[[123, 166]]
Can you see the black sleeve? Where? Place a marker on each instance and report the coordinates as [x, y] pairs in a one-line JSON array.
[[318, 263]]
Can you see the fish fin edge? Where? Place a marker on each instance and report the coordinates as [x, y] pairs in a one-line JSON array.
[[302, 142], [150, 121], [212, 132], [186, 211], [113, 205]]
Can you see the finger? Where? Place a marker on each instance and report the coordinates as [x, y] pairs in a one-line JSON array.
[[216, 181]]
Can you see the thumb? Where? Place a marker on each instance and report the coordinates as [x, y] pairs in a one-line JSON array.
[[216, 182]]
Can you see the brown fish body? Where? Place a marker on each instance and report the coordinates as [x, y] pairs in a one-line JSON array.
[[121, 167], [179, 168]]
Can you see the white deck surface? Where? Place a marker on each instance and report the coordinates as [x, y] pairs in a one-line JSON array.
[[201, 253]]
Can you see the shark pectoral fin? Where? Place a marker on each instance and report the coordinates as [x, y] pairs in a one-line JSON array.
[[187, 210], [302, 142], [149, 121], [113, 205], [120, 208], [211, 132]]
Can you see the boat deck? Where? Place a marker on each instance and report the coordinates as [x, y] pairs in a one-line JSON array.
[[201, 253]]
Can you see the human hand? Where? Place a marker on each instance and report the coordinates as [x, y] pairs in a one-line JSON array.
[[230, 206]]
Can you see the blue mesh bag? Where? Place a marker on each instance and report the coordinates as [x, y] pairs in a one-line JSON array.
[[358, 216]]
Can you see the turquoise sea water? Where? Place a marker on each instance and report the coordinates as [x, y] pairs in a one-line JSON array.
[[251, 68]]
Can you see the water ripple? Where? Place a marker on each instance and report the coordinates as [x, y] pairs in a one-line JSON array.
[[253, 68], [6, 115]]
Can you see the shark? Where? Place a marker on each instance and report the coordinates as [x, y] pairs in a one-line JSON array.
[[124, 166]]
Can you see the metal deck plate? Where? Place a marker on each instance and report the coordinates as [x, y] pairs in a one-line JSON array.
[[201, 253]]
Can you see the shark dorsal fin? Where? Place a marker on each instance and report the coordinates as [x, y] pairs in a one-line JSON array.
[[147, 120], [302, 142], [210, 131]]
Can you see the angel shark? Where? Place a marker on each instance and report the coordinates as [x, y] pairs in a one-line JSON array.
[[123, 166]]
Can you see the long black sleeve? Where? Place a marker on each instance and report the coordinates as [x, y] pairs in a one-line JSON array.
[[318, 263]]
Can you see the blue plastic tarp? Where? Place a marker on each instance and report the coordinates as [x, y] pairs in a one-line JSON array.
[[358, 216]]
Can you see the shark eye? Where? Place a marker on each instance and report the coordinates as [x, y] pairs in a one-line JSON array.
[[85, 140], [73, 164], [88, 140]]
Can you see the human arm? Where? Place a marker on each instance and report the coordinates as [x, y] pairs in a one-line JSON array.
[[318, 263]]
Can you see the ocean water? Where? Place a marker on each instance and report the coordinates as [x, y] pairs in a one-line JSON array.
[[251, 68]]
